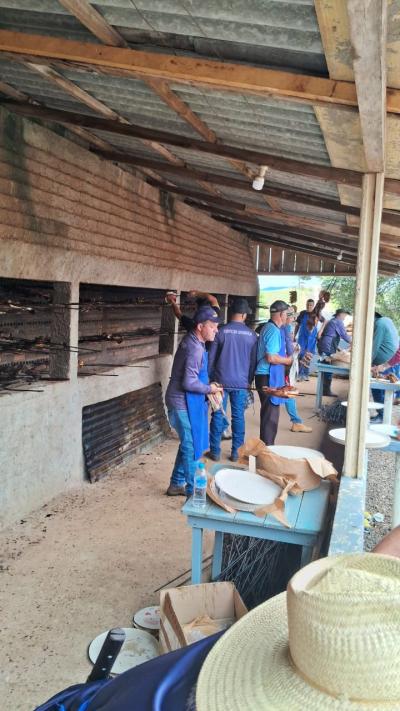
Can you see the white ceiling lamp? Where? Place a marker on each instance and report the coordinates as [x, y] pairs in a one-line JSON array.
[[340, 256], [258, 182]]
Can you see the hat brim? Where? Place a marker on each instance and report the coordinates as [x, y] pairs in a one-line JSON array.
[[249, 669]]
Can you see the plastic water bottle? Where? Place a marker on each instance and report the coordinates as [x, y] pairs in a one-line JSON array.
[[200, 487]]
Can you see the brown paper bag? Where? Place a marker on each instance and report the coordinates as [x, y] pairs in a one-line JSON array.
[[303, 474]]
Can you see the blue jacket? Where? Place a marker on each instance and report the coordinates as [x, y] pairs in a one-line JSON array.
[[232, 356]]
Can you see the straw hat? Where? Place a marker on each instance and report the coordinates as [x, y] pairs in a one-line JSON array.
[[341, 651]]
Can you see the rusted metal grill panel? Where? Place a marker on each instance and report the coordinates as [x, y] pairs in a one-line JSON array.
[[115, 430], [118, 325], [25, 323]]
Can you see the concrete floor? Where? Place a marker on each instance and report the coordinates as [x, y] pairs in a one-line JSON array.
[[89, 559]]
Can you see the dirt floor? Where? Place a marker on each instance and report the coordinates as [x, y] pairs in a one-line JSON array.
[[89, 559]]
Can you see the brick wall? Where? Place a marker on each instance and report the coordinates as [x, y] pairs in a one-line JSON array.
[[57, 195]]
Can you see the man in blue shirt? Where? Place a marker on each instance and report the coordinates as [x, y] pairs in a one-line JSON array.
[[331, 335], [189, 377], [232, 362], [270, 369], [384, 345]]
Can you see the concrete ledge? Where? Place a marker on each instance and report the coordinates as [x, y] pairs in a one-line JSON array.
[[348, 524]]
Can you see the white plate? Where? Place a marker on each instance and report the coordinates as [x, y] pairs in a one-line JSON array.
[[139, 647], [148, 617], [295, 452], [373, 440], [247, 487]]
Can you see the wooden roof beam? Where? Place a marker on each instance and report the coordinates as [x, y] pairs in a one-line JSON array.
[[368, 29], [200, 71], [287, 165]]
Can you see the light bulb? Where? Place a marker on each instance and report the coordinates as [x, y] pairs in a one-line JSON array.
[[258, 183], [340, 256]]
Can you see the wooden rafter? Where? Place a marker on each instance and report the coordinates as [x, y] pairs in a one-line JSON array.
[[287, 165], [94, 21], [218, 75]]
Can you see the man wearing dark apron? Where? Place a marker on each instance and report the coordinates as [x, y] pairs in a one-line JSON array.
[[186, 399], [270, 370]]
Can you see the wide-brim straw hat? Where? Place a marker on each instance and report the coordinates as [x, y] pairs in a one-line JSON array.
[[331, 642]]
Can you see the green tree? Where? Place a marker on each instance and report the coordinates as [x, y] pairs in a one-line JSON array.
[[342, 291]]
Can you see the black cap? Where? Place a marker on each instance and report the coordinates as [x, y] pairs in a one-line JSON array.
[[278, 306], [241, 306]]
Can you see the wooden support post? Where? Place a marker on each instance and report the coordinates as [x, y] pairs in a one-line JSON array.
[[63, 362], [224, 310], [367, 267], [169, 329]]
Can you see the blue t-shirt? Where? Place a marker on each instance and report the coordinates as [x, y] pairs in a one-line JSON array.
[[385, 342], [232, 356], [269, 342]]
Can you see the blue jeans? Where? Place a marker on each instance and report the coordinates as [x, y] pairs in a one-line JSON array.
[[238, 400], [185, 463], [291, 409]]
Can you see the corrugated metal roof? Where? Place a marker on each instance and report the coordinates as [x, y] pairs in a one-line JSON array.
[[44, 17], [281, 128], [132, 99], [273, 33]]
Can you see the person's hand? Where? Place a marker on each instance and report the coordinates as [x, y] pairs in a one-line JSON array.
[[215, 388], [375, 371], [296, 348], [170, 297]]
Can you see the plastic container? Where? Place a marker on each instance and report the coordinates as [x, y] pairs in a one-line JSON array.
[[199, 500]]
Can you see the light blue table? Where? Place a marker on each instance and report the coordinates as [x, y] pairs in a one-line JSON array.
[[306, 515], [390, 389], [326, 368]]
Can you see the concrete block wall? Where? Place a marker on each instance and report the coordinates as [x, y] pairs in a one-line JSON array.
[[68, 216]]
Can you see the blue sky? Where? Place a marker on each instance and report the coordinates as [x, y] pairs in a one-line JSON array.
[[288, 282]]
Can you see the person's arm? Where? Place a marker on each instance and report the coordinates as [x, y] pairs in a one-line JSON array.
[[253, 361], [213, 353], [298, 322], [341, 331], [271, 355], [213, 301], [322, 329], [171, 299], [191, 381], [390, 544]]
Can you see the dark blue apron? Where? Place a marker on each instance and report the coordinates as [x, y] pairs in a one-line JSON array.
[[277, 371], [197, 405]]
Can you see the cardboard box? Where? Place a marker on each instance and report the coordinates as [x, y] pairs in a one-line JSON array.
[[179, 607]]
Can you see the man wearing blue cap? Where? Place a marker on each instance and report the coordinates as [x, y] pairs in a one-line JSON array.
[[186, 399], [270, 371]]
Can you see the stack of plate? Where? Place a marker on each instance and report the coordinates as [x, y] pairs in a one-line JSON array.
[[245, 491]]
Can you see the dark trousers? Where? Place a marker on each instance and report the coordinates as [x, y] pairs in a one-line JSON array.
[[269, 413]]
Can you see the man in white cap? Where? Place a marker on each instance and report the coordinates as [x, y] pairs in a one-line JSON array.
[[270, 370]]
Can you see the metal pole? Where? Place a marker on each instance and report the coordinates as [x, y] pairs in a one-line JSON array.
[[363, 323]]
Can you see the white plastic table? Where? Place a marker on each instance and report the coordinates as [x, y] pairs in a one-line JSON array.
[[291, 452], [390, 389], [371, 405], [373, 439]]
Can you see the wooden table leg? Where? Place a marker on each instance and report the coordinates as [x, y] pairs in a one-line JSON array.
[[306, 555], [318, 395], [197, 554], [217, 555], [388, 405]]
